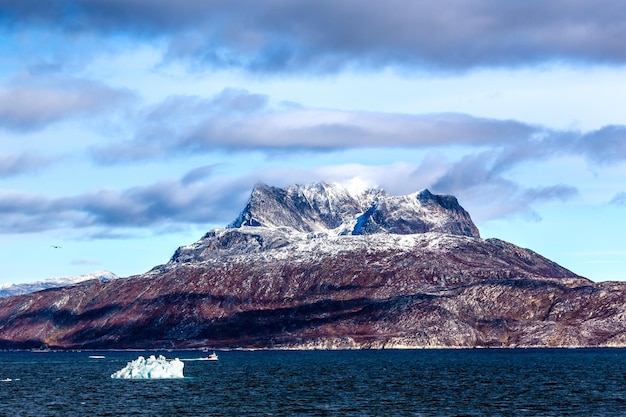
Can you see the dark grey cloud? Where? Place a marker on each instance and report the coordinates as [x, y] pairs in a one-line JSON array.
[[329, 35], [28, 103]]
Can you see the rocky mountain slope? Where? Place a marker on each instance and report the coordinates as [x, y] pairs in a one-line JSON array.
[[323, 266]]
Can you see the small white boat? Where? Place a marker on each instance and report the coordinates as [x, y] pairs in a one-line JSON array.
[[212, 357]]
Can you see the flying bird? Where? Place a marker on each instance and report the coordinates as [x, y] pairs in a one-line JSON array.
[[55, 247]]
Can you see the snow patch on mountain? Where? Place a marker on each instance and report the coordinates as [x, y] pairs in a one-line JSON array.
[[265, 244], [7, 290]]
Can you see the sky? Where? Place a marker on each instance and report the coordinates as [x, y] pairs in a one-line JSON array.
[[131, 127]]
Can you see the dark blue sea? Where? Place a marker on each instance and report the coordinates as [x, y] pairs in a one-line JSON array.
[[477, 382]]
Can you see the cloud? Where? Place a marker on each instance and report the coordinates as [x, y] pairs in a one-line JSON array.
[[331, 35], [160, 203], [110, 211], [470, 171], [29, 103], [25, 162], [199, 174], [502, 199], [619, 199], [237, 120], [560, 192], [240, 121], [480, 180], [606, 145]]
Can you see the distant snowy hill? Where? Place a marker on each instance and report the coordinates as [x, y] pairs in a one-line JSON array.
[[7, 290]]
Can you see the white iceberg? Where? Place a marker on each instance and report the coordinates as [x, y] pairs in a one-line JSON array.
[[151, 368]]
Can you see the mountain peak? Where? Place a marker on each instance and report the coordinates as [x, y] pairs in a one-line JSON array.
[[304, 208], [324, 207], [277, 217]]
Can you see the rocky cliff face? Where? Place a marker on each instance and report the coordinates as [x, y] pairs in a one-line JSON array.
[[326, 267]]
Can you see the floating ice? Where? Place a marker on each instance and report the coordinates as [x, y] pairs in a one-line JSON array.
[[151, 368]]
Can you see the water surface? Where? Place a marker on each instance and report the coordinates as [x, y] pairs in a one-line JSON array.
[[478, 382]]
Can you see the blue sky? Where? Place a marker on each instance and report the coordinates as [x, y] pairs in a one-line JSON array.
[[132, 127]]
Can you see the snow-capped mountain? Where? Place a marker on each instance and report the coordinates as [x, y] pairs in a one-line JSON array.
[[325, 266], [279, 217], [7, 290], [333, 208]]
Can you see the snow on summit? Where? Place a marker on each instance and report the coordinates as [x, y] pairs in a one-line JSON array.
[[326, 218], [353, 209]]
